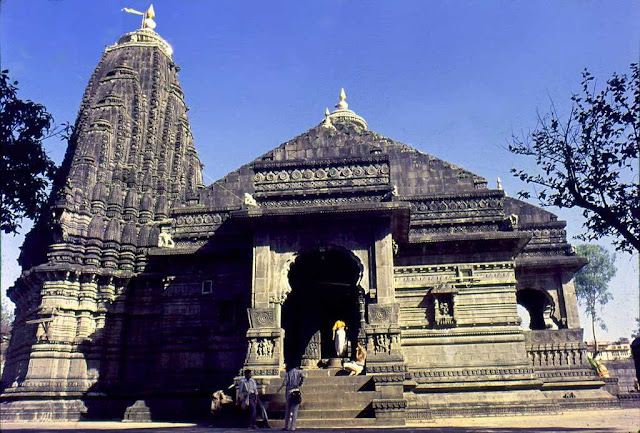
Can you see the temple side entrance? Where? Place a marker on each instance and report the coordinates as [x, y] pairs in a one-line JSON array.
[[325, 289]]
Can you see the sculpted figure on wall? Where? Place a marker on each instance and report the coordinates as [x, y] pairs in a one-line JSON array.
[[265, 348], [381, 344], [547, 315], [443, 310], [165, 241]]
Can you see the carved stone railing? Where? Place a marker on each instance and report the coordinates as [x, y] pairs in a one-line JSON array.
[[322, 182], [192, 227], [547, 239], [477, 211], [560, 348], [477, 204]]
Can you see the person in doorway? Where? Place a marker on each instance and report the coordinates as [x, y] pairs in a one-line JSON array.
[[248, 396], [340, 338], [355, 367], [292, 382]]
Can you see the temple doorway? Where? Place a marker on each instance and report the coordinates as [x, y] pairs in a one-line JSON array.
[[324, 289]]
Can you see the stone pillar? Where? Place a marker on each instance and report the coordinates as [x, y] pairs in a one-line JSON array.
[[383, 250], [261, 271], [385, 363], [265, 337], [570, 301], [264, 342]]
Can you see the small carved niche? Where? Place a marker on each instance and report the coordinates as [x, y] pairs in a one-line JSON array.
[[443, 310], [465, 273], [440, 307]]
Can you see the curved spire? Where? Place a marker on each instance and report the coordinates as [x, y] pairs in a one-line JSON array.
[[343, 113]]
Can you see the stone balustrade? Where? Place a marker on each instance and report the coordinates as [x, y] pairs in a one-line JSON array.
[[556, 348]]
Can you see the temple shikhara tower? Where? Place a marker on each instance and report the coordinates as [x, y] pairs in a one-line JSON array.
[[144, 290]]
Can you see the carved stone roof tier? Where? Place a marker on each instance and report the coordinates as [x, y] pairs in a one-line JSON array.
[[549, 236]]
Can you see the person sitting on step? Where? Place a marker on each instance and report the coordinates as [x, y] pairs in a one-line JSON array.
[[356, 367]]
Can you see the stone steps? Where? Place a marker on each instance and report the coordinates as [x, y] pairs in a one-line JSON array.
[[327, 400], [312, 414], [354, 401], [326, 423]]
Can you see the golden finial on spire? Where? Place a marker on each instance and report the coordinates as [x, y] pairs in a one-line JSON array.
[[147, 17], [499, 182], [342, 105]]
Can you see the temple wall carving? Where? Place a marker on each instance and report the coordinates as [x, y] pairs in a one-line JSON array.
[[446, 307]]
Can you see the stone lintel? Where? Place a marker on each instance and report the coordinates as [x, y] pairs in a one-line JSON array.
[[373, 208], [514, 241], [566, 263], [397, 213]]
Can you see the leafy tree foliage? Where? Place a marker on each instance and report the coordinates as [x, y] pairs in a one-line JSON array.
[[590, 159], [6, 315], [592, 283], [25, 169]]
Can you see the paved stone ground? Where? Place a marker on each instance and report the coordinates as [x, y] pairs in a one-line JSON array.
[[623, 420]]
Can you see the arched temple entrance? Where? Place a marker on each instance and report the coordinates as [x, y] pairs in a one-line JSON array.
[[324, 288]]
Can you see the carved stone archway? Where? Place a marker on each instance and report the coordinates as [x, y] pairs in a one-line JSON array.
[[324, 287], [284, 286]]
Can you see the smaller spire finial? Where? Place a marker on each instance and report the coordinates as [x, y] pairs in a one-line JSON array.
[[326, 123], [499, 182], [342, 105]]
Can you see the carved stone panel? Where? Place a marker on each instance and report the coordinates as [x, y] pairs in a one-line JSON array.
[[262, 317], [383, 314], [320, 175]]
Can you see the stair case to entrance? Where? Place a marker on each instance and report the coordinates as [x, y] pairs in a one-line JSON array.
[[327, 401]]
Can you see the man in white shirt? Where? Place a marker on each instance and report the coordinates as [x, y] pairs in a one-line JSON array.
[[248, 395]]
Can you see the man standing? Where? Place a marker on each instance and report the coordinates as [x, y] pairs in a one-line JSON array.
[[248, 395], [292, 381]]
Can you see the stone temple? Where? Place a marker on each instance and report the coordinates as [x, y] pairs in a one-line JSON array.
[[145, 290]]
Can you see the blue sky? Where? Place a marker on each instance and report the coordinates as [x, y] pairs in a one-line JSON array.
[[452, 78]]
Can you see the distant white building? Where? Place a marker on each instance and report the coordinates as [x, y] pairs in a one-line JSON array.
[[610, 351]]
